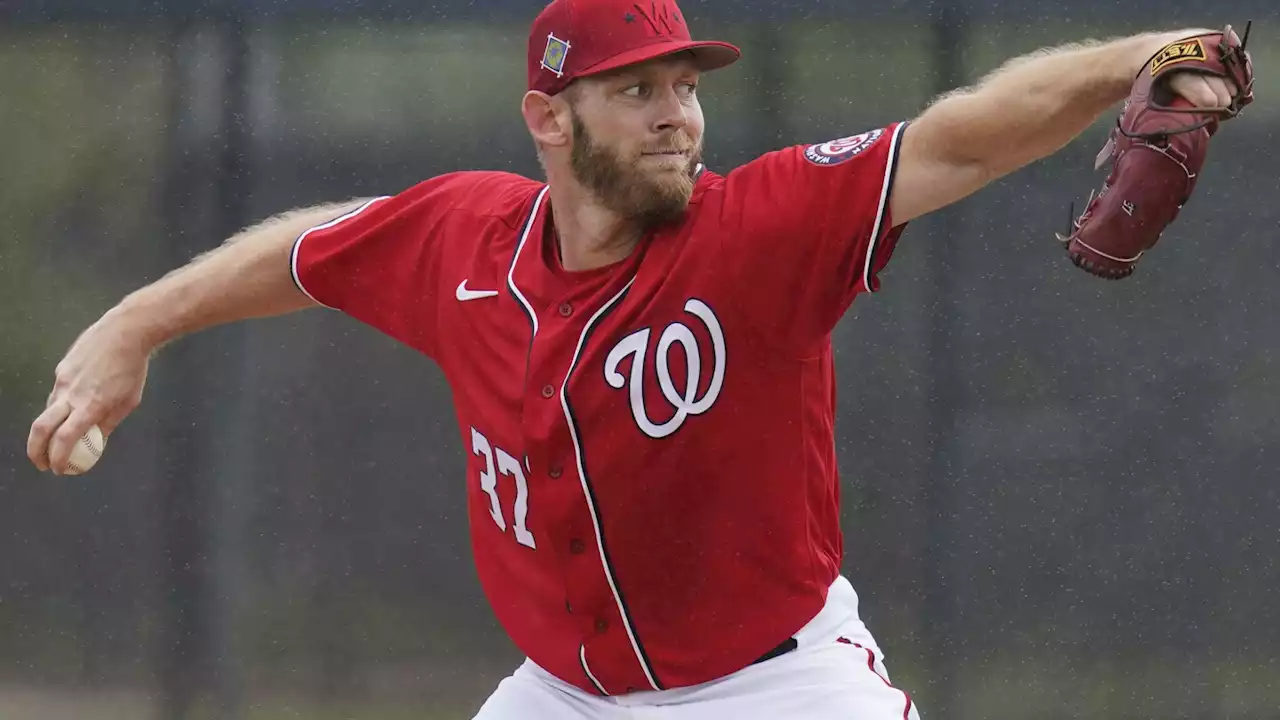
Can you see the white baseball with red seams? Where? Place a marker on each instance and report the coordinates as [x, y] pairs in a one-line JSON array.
[[87, 451]]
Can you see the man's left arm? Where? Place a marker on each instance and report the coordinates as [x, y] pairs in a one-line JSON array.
[[1024, 111]]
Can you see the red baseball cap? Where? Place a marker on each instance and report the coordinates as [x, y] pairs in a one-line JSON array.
[[576, 38]]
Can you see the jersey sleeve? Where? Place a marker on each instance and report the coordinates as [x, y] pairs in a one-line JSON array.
[[812, 230], [380, 263]]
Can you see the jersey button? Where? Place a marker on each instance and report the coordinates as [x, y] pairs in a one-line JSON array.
[[602, 625], [631, 688], [576, 546], [555, 471], [548, 391], [566, 310]]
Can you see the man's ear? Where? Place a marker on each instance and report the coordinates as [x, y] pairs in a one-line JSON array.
[[547, 118]]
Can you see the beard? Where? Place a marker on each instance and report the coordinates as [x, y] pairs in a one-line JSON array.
[[649, 198]]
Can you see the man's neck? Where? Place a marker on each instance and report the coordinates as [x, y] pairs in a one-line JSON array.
[[589, 236]]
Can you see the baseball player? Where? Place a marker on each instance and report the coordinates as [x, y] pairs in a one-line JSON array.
[[640, 356]]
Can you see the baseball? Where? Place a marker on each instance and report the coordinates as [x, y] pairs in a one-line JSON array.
[[87, 451]]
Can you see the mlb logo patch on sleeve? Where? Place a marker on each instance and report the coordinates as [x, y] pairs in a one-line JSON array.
[[838, 151]]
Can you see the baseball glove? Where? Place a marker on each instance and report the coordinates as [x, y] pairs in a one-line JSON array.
[[1156, 149]]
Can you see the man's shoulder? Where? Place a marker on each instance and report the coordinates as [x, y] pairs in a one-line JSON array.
[[719, 185], [481, 194]]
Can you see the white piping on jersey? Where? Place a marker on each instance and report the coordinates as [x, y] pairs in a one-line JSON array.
[[293, 254], [511, 273], [586, 491], [577, 445], [884, 204], [582, 656]]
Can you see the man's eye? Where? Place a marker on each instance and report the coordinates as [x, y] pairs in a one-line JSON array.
[[638, 90]]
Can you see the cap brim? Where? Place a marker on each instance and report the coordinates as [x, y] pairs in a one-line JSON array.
[[708, 54]]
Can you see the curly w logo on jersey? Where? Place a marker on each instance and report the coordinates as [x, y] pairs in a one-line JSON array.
[[687, 400]]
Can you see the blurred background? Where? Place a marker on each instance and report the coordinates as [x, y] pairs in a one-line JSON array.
[[1060, 493]]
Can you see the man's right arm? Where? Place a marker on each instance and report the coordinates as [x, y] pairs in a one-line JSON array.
[[248, 276], [101, 378], [378, 261]]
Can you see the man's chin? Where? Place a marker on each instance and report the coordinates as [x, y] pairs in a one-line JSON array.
[[652, 196], [664, 211]]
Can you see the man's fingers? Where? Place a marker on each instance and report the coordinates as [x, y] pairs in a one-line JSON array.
[[1221, 89], [1221, 97], [67, 435], [43, 429], [1204, 94], [1227, 91], [1202, 91]]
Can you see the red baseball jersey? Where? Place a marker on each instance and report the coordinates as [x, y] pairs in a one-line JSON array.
[[652, 479]]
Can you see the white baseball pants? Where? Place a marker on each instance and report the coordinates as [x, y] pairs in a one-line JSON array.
[[837, 672]]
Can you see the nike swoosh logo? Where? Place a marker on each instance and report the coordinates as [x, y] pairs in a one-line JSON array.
[[464, 294]]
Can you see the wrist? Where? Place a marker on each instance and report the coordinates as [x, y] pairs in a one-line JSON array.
[[137, 322]]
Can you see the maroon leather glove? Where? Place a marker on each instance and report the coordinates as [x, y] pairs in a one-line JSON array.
[[1157, 148]]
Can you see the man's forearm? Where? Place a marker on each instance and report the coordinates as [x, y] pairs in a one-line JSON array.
[[1034, 105], [248, 276]]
